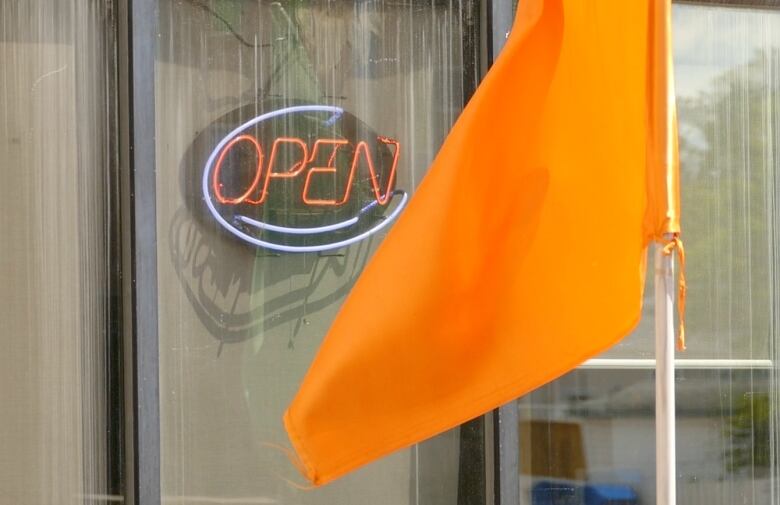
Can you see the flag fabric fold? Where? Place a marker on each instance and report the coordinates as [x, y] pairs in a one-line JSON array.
[[522, 252]]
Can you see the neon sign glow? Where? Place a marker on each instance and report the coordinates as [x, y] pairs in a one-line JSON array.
[[229, 206]]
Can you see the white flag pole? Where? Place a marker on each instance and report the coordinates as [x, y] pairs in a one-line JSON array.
[[666, 489]]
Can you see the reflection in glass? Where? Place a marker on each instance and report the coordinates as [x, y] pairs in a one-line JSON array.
[[239, 324], [589, 436], [726, 72]]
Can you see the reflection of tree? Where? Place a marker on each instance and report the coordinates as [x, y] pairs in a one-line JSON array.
[[748, 432], [727, 163]]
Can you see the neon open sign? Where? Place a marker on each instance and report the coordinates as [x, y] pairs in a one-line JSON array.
[[315, 191]]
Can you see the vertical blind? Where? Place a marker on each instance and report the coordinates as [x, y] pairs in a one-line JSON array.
[[56, 145]]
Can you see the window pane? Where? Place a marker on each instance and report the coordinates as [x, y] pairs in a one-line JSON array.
[[592, 433], [56, 145], [239, 324], [726, 63]]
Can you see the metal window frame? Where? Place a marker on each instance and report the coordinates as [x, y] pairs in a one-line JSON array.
[[506, 439], [137, 37]]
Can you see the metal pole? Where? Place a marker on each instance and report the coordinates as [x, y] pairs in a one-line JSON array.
[[664, 380], [509, 456]]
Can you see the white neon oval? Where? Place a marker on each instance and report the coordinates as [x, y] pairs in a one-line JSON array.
[[336, 114]]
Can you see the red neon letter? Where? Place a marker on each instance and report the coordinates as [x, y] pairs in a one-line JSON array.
[[293, 171], [217, 186], [337, 143], [362, 147]]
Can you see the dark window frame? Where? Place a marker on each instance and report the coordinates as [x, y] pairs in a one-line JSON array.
[[137, 36]]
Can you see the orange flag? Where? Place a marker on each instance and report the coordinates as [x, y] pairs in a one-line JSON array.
[[522, 253]]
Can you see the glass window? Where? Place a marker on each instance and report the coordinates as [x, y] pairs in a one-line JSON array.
[[239, 324], [726, 83], [59, 406], [590, 435]]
